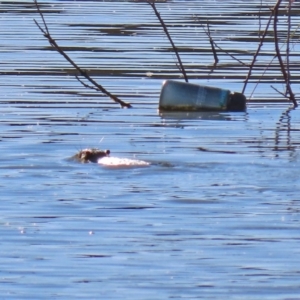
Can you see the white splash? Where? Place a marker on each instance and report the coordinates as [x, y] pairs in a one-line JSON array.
[[121, 162]]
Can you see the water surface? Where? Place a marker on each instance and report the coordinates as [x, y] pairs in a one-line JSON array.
[[215, 215]]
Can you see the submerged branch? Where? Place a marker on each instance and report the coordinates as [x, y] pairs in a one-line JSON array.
[[82, 72]]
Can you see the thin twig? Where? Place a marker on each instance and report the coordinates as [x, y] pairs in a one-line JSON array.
[[271, 61], [263, 73], [256, 53], [152, 3], [288, 44], [281, 93], [259, 19], [83, 73], [215, 45], [212, 44], [232, 56], [86, 85]]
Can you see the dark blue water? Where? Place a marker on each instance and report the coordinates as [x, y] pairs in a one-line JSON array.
[[215, 215]]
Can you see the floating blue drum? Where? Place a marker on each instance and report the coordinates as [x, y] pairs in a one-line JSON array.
[[183, 96]]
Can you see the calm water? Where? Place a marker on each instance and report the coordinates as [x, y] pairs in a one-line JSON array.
[[217, 213]]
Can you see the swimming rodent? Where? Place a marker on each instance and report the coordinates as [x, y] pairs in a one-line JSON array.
[[90, 155], [102, 157]]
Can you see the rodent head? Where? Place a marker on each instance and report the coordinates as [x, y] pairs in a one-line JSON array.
[[92, 155]]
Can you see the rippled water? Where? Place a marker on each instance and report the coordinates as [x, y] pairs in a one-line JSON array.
[[215, 215]]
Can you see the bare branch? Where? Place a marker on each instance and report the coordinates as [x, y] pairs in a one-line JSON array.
[[288, 44], [282, 94], [152, 3], [212, 44], [283, 70], [215, 45], [232, 56], [83, 73], [256, 53], [86, 85]]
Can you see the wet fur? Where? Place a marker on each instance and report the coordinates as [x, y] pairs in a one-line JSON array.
[[90, 155]]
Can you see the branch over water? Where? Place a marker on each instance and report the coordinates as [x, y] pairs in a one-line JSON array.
[[82, 72], [181, 67]]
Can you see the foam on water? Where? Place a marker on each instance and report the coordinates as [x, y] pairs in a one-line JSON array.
[[122, 162]]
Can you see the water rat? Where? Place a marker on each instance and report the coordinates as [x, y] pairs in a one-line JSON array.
[[90, 155]]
